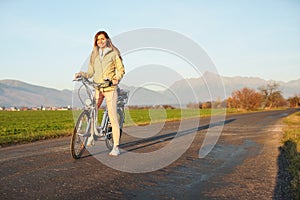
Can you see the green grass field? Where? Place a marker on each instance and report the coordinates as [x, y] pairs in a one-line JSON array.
[[141, 117], [291, 145], [27, 126]]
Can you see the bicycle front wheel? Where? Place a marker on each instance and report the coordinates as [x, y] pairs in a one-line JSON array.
[[79, 136]]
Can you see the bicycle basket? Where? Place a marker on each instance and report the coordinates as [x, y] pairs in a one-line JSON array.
[[122, 97]]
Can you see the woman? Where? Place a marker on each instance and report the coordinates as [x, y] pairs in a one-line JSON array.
[[106, 63]]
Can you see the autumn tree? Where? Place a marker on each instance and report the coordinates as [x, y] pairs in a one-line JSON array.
[[231, 103], [272, 96], [245, 99], [206, 105], [294, 101]]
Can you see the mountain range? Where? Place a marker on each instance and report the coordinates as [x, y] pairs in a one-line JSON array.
[[18, 93], [208, 87]]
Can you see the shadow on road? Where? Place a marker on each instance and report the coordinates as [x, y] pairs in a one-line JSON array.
[[169, 136], [283, 189]]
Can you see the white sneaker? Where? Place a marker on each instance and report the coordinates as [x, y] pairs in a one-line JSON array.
[[115, 151]]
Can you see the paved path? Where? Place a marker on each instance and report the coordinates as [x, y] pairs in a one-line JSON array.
[[244, 164]]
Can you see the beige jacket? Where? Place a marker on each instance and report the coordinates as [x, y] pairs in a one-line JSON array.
[[109, 67]]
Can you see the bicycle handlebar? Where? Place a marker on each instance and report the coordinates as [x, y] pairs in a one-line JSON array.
[[84, 80], [122, 94]]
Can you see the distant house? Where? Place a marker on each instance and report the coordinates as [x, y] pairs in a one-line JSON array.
[[12, 109], [24, 109], [63, 108]]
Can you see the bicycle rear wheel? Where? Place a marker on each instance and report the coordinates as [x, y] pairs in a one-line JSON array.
[[109, 138], [78, 141]]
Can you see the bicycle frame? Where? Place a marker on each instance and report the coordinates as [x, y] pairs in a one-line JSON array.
[[87, 122], [91, 108]]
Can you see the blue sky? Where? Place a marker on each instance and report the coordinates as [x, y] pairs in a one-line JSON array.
[[46, 42]]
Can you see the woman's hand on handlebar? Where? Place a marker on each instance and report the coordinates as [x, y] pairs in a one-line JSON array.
[[77, 75]]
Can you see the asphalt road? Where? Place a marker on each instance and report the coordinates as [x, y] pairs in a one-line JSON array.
[[245, 163]]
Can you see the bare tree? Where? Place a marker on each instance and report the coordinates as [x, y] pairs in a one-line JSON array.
[[272, 96], [245, 99]]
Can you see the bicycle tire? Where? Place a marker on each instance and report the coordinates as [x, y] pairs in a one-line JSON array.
[[78, 142], [109, 139]]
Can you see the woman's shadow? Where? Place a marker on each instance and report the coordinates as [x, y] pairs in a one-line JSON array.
[[283, 188]]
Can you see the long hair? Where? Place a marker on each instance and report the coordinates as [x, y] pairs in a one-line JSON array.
[[95, 51]]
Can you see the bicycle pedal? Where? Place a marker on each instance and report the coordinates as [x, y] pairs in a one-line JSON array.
[[102, 138], [99, 134]]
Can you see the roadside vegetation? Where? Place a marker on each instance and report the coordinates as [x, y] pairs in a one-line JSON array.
[[266, 97], [291, 146]]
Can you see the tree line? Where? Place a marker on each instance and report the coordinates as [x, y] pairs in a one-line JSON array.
[[266, 97]]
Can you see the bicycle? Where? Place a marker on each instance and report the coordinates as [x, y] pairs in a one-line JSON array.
[[87, 122]]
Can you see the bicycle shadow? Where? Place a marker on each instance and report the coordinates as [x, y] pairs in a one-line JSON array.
[[137, 144]]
